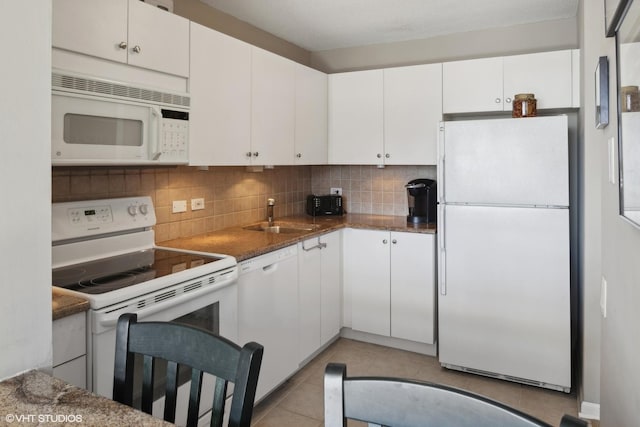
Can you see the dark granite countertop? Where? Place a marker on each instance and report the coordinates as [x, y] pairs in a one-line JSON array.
[[66, 305], [244, 244], [37, 399]]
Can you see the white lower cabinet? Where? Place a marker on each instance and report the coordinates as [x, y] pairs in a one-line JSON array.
[[390, 281], [319, 292], [70, 349]]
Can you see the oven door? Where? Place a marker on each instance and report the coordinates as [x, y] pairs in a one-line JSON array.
[[91, 130], [213, 309]]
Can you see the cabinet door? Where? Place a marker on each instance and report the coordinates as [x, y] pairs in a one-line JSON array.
[[162, 39], [92, 27], [309, 297], [220, 87], [412, 110], [472, 86], [548, 75], [356, 118], [311, 117], [272, 108], [413, 286], [331, 287], [366, 274]]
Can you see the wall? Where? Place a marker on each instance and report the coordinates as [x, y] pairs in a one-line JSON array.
[[199, 12], [25, 117], [592, 153], [232, 195], [536, 37], [620, 346]]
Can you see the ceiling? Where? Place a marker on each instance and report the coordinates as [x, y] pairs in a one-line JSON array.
[[330, 24]]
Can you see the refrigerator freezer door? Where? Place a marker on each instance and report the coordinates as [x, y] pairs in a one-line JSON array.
[[507, 161], [506, 308]]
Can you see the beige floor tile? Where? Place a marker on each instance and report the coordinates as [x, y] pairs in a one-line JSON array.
[[299, 402]]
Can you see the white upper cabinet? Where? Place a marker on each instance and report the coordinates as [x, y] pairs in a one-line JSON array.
[[548, 75], [356, 118], [412, 110], [387, 116], [489, 84], [220, 87], [472, 85], [272, 108], [127, 31], [310, 116]]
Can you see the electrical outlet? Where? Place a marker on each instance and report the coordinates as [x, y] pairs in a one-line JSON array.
[[197, 204], [179, 206], [336, 191], [603, 297]]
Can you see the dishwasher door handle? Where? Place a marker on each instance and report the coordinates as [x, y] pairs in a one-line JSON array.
[[270, 268]]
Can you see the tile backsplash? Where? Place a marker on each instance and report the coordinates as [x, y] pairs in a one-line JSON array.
[[234, 195], [369, 189]]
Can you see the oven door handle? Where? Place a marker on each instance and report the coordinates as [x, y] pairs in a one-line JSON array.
[[111, 318]]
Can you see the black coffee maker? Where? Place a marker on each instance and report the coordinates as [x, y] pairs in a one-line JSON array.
[[422, 198]]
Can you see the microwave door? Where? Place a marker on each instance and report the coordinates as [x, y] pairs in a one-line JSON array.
[[87, 130]]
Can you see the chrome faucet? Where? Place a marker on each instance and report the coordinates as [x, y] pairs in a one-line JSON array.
[[270, 203]]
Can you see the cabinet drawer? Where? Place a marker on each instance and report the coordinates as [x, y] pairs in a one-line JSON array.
[[69, 338]]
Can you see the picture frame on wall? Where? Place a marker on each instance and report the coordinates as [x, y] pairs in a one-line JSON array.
[[602, 92], [613, 12]]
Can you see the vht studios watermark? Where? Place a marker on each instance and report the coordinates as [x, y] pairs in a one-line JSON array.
[[42, 418]]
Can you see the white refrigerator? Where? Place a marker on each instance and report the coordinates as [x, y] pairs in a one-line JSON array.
[[503, 232]]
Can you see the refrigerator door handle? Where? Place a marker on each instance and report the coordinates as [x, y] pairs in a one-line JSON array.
[[442, 276]]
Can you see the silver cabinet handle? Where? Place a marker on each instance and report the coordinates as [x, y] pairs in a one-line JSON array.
[[379, 155], [394, 241], [122, 45], [248, 154], [384, 241], [299, 155], [137, 49], [387, 155], [256, 154], [508, 100], [498, 100]]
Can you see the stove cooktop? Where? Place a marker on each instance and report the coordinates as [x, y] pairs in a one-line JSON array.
[[121, 271]]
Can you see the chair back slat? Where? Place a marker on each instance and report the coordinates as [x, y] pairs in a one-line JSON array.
[[185, 347], [194, 397], [148, 369], [171, 392]]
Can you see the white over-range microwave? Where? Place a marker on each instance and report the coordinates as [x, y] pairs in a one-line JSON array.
[[102, 122]]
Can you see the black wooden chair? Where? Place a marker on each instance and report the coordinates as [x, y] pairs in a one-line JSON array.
[[183, 346], [407, 403]]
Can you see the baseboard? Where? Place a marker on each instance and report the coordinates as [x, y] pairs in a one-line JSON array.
[[416, 347], [590, 411]]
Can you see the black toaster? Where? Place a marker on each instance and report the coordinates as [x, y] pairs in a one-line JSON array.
[[330, 204]]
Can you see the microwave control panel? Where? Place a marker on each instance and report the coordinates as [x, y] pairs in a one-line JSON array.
[[174, 136]]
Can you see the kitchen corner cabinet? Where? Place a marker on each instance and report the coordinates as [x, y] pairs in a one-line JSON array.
[[272, 108], [489, 84], [69, 349], [310, 116], [386, 116], [319, 291], [391, 277], [127, 31], [220, 87]]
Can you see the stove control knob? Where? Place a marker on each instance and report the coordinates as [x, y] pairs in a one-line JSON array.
[[144, 209], [133, 210]]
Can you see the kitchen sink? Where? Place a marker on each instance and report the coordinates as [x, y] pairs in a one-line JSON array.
[[282, 227]]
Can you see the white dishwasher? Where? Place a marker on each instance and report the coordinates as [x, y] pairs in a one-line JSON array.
[[268, 313]]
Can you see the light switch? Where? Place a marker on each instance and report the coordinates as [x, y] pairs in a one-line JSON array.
[[603, 297]]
